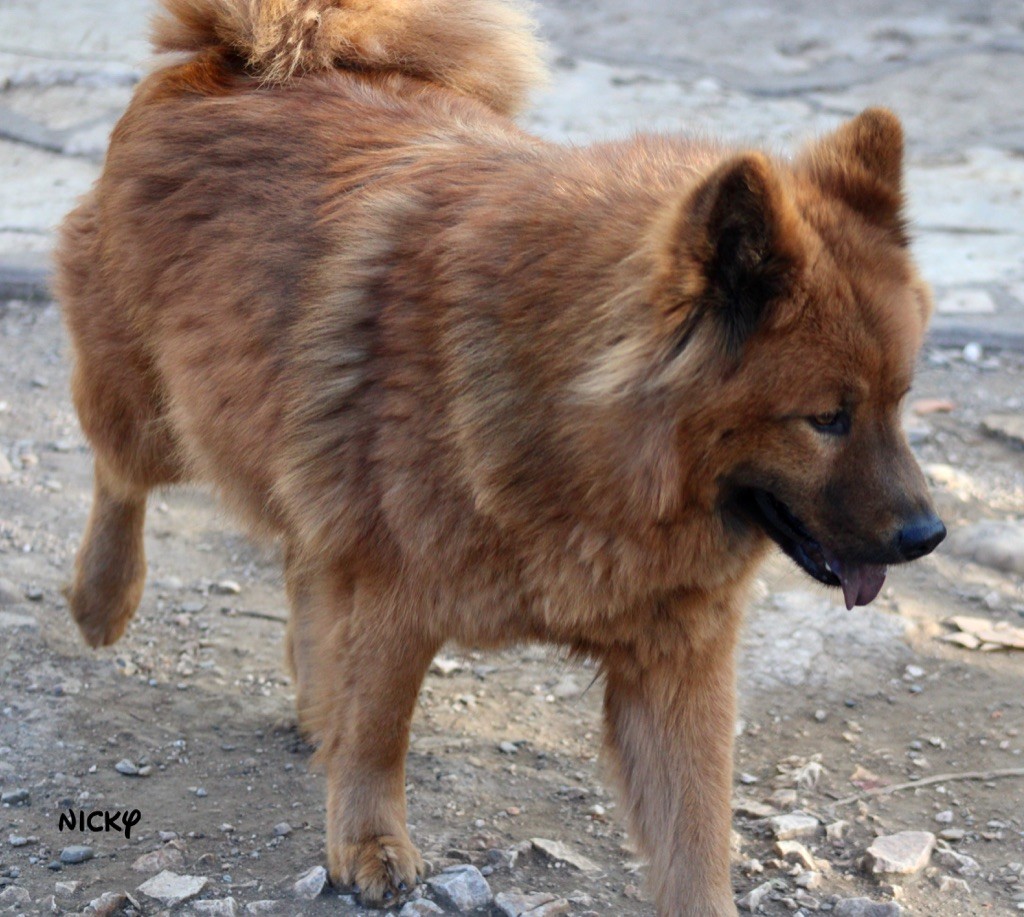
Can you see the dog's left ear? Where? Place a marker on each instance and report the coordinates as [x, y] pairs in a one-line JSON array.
[[861, 164], [734, 250]]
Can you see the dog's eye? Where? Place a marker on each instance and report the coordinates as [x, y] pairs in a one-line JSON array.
[[835, 423]]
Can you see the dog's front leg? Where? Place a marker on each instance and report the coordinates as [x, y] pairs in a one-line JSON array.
[[360, 653], [670, 712]]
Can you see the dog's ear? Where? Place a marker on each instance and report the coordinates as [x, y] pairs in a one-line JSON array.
[[735, 249], [861, 164]]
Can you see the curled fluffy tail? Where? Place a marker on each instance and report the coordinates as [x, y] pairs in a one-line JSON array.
[[483, 48]]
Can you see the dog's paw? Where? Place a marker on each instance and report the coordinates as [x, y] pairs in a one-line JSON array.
[[381, 868], [98, 625]]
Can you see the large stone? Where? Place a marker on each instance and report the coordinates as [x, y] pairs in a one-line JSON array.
[[999, 545], [461, 887], [806, 639], [171, 889], [904, 853]]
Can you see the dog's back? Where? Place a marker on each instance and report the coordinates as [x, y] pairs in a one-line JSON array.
[[182, 274]]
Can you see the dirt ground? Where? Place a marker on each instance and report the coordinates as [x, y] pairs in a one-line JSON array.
[[197, 696]]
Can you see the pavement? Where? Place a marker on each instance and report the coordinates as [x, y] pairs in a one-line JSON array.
[[766, 73]]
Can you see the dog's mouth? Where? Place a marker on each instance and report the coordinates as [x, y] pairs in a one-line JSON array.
[[860, 582]]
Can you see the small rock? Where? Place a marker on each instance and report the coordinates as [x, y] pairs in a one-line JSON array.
[[563, 853], [904, 853], [282, 829], [126, 767], [215, 907], [944, 817], [783, 799], [226, 587], [794, 825], [810, 879], [170, 889], [952, 834], [795, 852], [422, 907], [950, 886], [865, 907], [76, 853], [461, 887], [66, 889], [752, 867], [508, 748], [107, 904], [16, 840], [159, 860], [753, 899], [835, 831], [959, 862], [14, 897], [1009, 427], [444, 665], [972, 352], [6, 470], [805, 900], [16, 798], [750, 808], [514, 903], [310, 884]]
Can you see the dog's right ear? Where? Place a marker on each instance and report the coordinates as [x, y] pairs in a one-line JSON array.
[[733, 249]]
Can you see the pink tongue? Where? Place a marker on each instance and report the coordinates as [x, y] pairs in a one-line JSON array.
[[861, 582]]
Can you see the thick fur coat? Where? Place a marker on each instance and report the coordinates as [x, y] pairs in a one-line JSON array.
[[486, 388]]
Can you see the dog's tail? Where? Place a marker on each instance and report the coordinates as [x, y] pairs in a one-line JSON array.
[[483, 48]]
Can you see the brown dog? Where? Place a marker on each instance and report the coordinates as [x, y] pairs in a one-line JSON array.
[[486, 388]]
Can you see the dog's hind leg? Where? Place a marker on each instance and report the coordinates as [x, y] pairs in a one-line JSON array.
[[122, 414], [110, 569], [670, 715]]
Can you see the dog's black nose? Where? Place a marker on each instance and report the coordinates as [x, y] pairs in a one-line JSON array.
[[920, 536]]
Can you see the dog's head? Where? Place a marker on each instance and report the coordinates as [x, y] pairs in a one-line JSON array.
[[791, 287]]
